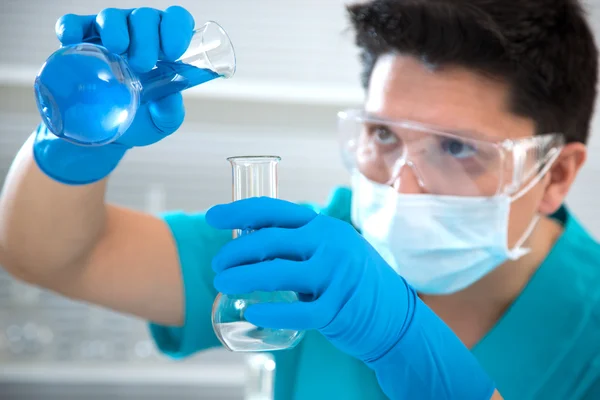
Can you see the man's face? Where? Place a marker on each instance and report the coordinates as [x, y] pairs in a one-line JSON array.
[[402, 88]]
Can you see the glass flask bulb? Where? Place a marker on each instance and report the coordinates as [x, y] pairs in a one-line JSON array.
[[89, 96], [253, 176]]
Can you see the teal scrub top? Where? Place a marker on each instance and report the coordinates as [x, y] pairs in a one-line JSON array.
[[546, 346]]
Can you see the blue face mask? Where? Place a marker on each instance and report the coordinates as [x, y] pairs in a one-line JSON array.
[[439, 244]]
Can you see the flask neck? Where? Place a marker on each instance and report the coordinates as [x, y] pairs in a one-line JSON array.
[[254, 176], [210, 55], [211, 49]]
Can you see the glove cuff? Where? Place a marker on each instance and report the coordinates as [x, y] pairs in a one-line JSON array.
[[430, 362], [72, 164]]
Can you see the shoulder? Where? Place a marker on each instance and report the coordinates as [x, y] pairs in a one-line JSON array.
[[577, 274], [339, 204], [577, 253], [574, 267]]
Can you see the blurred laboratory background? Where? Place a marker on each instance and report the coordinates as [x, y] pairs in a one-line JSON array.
[[296, 68]]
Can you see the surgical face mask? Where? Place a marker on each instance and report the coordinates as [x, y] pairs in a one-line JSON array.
[[439, 244]]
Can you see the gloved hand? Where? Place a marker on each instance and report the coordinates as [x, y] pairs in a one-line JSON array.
[[349, 294], [144, 35]]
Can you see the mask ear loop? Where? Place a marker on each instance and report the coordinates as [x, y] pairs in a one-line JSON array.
[[527, 233]]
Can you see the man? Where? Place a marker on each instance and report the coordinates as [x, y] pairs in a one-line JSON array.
[[473, 131]]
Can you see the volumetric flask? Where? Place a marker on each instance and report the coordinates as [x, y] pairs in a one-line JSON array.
[[253, 176], [89, 96]]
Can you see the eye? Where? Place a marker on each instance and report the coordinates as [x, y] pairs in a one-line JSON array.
[[383, 135], [458, 149]]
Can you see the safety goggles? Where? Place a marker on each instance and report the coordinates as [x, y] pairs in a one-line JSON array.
[[445, 163]]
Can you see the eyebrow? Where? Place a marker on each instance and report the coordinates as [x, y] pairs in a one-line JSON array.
[[471, 134]]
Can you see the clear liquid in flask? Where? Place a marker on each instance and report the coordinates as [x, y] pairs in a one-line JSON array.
[[253, 176]]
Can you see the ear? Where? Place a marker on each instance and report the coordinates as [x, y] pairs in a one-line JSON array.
[[561, 176]]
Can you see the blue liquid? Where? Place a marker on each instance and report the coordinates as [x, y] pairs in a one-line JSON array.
[[89, 96], [172, 77]]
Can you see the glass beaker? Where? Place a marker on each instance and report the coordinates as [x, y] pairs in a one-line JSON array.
[[253, 176], [89, 96]]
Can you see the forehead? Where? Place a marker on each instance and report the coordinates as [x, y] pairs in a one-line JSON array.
[[401, 87]]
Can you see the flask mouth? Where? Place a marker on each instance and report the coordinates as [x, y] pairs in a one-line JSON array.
[[49, 110], [221, 58], [211, 49], [253, 159]]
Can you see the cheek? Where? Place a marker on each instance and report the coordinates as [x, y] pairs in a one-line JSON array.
[[522, 212]]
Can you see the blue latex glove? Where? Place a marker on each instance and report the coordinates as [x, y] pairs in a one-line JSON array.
[[349, 294], [144, 35]]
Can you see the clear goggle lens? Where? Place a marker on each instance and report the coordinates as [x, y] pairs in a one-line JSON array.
[[443, 163]]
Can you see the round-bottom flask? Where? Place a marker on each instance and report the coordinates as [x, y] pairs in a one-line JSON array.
[[253, 176], [237, 334], [89, 96]]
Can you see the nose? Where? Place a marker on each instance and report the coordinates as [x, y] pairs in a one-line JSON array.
[[407, 181]]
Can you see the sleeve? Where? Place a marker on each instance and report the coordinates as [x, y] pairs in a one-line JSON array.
[[197, 243], [591, 380], [593, 393]]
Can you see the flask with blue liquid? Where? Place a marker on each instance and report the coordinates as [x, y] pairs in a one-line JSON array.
[[89, 96]]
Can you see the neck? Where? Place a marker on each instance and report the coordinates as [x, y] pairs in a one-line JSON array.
[[472, 312]]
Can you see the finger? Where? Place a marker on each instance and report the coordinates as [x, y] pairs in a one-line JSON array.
[[176, 29], [259, 212], [144, 39], [262, 245], [111, 24], [269, 276], [296, 316], [155, 121], [73, 29]]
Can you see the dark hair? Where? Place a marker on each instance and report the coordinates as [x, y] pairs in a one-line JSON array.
[[543, 49]]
